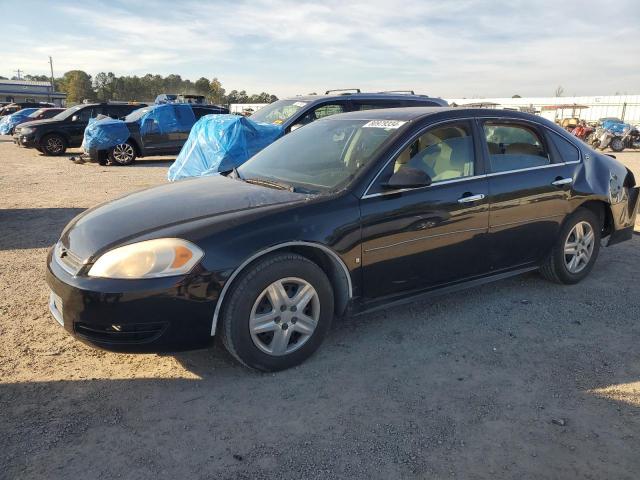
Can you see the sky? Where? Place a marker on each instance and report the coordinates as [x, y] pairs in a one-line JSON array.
[[451, 49]]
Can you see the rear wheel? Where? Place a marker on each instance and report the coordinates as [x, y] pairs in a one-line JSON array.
[[53, 144], [123, 154], [576, 249], [278, 312]]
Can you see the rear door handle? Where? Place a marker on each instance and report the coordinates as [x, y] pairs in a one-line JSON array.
[[562, 181], [471, 198]]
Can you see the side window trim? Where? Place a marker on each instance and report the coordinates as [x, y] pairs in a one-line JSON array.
[[477, 163]]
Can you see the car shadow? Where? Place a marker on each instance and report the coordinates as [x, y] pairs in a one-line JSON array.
[[24, 228]]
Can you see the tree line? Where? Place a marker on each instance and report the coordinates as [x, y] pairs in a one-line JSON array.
[[79, 86]]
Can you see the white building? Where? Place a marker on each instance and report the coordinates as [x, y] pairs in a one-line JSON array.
[[30, 91], [625, 107]]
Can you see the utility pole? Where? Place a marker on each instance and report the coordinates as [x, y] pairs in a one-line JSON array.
[[18, 72], [52, 89]]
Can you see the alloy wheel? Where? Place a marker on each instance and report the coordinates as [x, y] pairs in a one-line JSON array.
[[578, 247], [284, 316], [123, 153], [54, 145]]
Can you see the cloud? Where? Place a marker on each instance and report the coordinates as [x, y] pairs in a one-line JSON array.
[[462, 48]]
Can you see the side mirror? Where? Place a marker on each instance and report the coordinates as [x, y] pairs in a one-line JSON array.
[[408, 177], [74, 118], [295, 127]]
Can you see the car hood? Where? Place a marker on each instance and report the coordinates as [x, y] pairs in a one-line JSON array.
[[35, 123], [142, 213]]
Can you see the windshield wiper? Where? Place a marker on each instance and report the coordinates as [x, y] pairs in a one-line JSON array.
[[270, 183]]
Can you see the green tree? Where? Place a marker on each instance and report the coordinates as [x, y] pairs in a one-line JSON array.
[[77, 85], [216, 92], [202, 86]]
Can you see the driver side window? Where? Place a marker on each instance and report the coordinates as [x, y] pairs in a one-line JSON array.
[[443, 153], [321, 112]]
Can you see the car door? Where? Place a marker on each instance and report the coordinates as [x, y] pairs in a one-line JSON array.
[[317, 112], [529, 188], [420, 238], [79, 121]]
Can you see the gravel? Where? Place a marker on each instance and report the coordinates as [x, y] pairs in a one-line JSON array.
[[521, 378]]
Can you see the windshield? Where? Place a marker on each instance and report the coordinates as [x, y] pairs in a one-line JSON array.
[[323, 156], [137, 114], [278, 112], [68, 112]]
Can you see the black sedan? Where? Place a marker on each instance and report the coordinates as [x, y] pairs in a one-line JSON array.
[[351, 213]]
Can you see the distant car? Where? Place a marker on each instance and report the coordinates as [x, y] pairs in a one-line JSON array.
[[150, 141], [292, 113], [9, 122], [35, 114], [14, 107], [65, 130], [352, 213]]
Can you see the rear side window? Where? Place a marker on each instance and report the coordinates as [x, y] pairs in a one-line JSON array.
[[514, 147], [568, 151]]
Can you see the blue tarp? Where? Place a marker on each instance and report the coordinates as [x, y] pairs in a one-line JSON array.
[[8, 122], [218, 143], [104, 133], [167, 118], [614, 126]]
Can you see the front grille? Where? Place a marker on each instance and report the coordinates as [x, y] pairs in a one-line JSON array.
[[130, 333], [67, 259]]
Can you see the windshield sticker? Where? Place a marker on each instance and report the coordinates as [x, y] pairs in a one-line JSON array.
[[299, 104], [278, 121], [384, 124]]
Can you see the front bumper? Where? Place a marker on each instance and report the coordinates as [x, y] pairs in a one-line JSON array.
[[153, 315], [28, 141]]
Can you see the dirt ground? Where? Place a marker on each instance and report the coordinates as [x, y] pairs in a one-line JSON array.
[[518, 379]]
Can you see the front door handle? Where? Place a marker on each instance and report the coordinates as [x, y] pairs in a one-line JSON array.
[[471, 198], [562, 181]]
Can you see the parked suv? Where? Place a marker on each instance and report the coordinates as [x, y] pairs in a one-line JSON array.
[[150, 139], [295, 112], [66, 130]]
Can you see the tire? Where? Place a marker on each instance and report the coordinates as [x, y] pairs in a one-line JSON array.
[[617, 144], [251, 298], [53, 145], [558, 267], [123, 154]]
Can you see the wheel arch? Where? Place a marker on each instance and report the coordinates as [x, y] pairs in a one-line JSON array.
[[135, 145], [327, 259], [61, 134], [603, 211]]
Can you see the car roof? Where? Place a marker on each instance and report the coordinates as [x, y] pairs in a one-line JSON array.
[[362, 96], [416, 113]]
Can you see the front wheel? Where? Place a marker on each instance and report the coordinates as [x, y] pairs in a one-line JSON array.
[[53, 145], [617, 144], [278, 312], [123, 154], [576, 249]]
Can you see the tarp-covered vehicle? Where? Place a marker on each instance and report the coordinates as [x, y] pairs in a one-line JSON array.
[[154, 130], [219, 143], [9, 122]]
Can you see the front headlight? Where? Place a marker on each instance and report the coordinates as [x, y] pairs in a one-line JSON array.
[[24, 130], [163, 257]]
